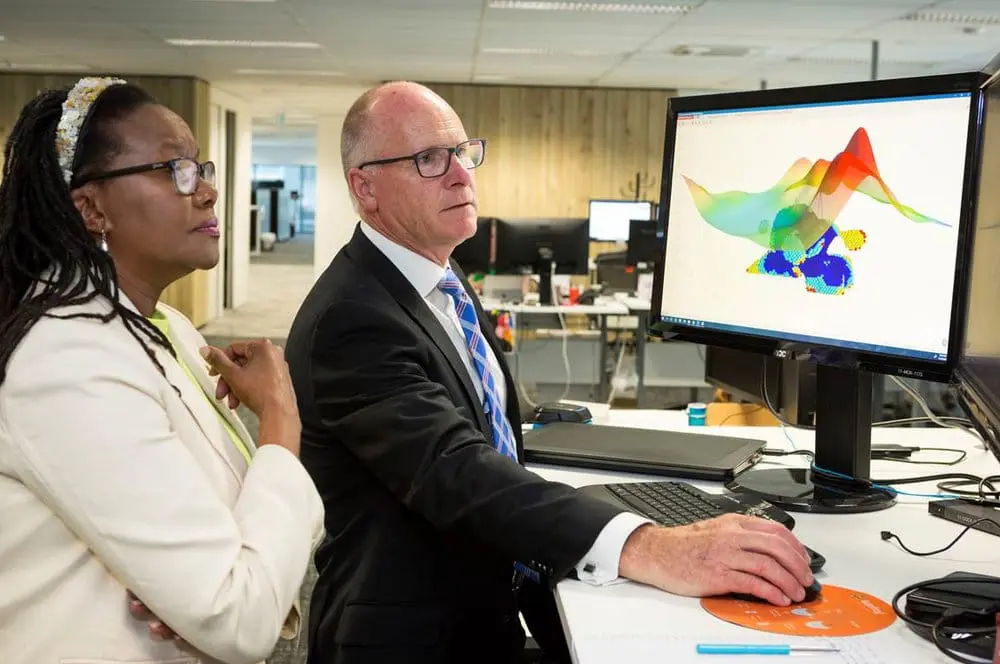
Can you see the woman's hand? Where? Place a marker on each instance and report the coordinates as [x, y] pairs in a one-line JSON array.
[[157, 629], [256, 374]]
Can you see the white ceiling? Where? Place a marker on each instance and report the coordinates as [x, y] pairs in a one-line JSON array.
[[782, 42]]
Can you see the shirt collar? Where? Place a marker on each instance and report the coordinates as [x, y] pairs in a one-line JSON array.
[[423, 274]]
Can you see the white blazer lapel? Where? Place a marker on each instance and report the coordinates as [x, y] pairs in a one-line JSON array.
[[199, 369], [201, 410]]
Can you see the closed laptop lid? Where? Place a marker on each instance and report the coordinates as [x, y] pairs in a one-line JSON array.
[[674, 453]]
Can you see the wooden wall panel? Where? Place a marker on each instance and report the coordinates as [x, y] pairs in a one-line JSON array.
[[553, 149], [187, 96]]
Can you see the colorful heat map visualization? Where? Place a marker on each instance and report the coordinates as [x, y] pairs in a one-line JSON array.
[[794, 219]]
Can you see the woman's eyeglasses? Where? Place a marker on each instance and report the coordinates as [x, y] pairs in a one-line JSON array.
[[434, 162], [187, 173]]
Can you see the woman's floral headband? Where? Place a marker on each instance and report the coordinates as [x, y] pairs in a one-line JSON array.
[[74, 112]]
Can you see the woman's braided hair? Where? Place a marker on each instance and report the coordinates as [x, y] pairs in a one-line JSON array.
[[48, 258]]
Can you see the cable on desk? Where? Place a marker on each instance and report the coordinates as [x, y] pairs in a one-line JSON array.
[[740, 412], [940, 632], [880, 485], [962, 454], [773, 452], [981, 493], [944, 421], [986, 490], [888, 535]]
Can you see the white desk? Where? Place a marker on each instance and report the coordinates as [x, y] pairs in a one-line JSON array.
[[620, 618]]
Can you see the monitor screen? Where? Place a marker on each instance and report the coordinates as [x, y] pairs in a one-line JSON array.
[[834, 223], [609, 219], [979, 365]]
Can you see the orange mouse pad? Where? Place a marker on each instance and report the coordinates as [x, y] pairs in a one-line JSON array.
[[836, 612]]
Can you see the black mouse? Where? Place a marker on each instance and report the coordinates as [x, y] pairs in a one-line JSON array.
[[813, 591]]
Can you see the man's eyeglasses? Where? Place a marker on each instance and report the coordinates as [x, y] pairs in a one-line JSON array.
[[434, 162], [187, 173]]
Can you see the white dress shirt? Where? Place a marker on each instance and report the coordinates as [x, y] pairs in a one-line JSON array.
[[599, 565]]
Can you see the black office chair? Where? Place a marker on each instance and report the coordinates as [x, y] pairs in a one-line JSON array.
[[613, 273]]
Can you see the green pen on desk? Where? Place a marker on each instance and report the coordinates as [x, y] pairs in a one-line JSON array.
[[758, 649]]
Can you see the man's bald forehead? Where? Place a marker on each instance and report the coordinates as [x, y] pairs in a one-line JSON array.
[[402, 97], [378, 112]]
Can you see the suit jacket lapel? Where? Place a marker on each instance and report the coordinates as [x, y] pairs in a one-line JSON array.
[[373, 260]]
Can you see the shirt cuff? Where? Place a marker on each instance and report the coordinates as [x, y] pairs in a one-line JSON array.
[[600, 565]]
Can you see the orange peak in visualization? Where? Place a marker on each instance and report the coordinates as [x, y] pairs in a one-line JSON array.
[[795, 220]]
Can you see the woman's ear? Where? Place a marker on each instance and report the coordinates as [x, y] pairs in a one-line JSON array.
[[89, 206]]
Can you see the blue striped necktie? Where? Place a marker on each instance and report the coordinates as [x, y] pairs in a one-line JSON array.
[[503, 436]]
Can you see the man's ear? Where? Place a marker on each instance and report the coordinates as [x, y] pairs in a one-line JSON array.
[[88, 204], [362, 188]]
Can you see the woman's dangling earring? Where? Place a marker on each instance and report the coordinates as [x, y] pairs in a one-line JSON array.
[[104, 241]]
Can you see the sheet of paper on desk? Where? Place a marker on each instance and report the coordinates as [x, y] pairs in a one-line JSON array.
[[874, 649]]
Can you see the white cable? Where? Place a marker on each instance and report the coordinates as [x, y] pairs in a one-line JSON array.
[[618, 367], [565, 334], [925, 407]]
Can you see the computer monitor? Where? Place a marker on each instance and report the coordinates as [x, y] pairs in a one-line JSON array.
[[790, 387], [644, 240], [977, 376], [543, 247], [476, 253], [825, 224], [609, 220]]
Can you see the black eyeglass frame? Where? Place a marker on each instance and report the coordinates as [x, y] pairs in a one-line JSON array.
[[170, 164], [413, 157]]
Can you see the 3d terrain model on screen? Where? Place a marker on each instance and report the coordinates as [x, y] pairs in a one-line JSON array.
[[794, 219]]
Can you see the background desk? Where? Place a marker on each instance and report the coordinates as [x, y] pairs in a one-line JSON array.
[[539, 360], [628, 622], [657, 365]]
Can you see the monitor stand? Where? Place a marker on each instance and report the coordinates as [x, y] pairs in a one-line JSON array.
[[839, 479]]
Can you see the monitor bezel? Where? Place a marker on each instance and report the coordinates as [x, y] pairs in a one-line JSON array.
[[976, 399], [939, 371]]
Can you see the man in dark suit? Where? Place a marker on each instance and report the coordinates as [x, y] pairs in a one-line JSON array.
[[437, 537]]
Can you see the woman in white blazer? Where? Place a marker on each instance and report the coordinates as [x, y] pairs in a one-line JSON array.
[[120, 468]]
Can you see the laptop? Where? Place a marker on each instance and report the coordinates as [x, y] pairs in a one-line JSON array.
[[670, 453]]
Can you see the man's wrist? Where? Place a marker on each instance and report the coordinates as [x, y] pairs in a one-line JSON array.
[[635, 554]]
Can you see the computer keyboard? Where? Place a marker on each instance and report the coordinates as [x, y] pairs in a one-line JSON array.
[[680, 503]]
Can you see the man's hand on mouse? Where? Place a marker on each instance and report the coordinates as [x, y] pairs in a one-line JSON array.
[[728, 554]]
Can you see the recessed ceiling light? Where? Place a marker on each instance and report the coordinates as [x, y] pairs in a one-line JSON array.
[[517, 51], [287, 72], [948, 17], [543, 51], [834, 60], [45, 67], [241, 43], [621, 7]]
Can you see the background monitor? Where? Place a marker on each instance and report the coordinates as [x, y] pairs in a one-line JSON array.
[[476, 253], [828, 224], [609, 220], [644, 242], [543, 247], [978, 372]]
